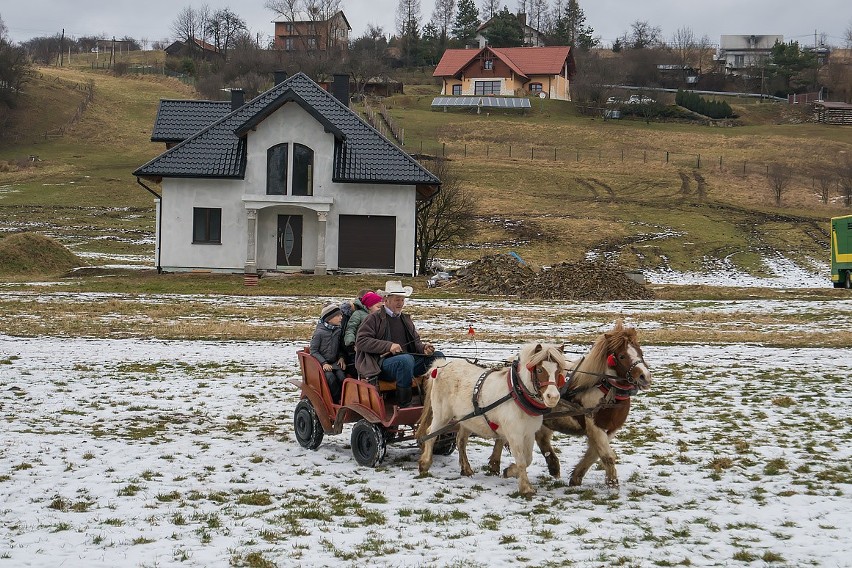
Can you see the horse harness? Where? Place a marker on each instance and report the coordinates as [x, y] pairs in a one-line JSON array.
[[529, 402], [613, 387]]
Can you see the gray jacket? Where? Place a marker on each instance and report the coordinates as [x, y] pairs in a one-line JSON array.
[[325, 343]]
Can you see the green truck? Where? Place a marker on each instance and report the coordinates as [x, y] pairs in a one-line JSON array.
[[841, 251]]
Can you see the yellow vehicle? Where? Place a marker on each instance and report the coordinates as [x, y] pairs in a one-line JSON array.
[[841, 251]]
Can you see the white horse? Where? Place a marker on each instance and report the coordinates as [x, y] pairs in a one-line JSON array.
[[506, 404]]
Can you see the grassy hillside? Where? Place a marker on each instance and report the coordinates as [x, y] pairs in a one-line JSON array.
[[551, 185]]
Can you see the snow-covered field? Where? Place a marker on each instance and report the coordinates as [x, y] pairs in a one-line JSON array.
[[135, 452]]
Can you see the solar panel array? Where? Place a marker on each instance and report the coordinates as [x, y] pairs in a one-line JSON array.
[[488, 102]]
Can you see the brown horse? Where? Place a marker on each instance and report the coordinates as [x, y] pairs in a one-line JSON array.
[[506, 404], [598, 393]]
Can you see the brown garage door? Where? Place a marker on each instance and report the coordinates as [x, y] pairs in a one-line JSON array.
[[367, 241]]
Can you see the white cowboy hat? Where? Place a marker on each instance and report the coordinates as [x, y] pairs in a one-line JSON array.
[[395, 288]]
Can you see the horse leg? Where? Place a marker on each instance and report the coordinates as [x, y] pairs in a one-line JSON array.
[[496, 454], [461, 448], [521, 448], [543, 438], [599, 448], [425, 461]]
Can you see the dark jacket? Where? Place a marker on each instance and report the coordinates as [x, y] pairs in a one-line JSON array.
[[372, 342], [325, 343]]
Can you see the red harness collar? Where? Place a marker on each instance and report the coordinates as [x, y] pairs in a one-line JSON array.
[[522, 397]]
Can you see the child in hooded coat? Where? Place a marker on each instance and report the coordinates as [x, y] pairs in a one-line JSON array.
[[325, 347]]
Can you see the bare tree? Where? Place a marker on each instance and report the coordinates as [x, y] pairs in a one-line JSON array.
[[442, 18], [847, 36], [489, 9], [446, 218], [779, 176], [186, 26], [224, 25], [825, 179], [643, 35]]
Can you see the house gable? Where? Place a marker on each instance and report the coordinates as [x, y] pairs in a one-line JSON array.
[[362, 154]]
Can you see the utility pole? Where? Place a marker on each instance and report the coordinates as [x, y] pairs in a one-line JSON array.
[[61, 47]]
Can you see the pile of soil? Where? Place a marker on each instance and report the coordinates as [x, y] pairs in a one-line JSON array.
[[505, 275], [32, 253]]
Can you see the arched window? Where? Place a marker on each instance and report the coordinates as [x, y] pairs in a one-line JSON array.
[[303, 170], [276, 170]]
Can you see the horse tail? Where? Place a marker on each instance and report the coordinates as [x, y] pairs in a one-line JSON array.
[[426, 415]]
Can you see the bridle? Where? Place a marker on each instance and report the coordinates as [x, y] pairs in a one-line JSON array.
[[622, 385]]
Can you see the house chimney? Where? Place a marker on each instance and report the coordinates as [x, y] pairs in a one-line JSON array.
[[280, 77], [340, 88], [238, 98]]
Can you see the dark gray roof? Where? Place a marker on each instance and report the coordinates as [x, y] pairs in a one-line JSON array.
[[178, 120], [361, 153]]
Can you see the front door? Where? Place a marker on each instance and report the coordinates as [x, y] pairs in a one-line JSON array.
[[290, 240]]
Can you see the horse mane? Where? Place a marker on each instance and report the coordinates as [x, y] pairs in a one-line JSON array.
[[529, 356], [594, 364]]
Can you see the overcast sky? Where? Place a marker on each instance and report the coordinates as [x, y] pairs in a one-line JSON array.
[[151, 19]]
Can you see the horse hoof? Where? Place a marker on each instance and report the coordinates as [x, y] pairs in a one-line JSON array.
[[467, 472], [574, 482], [612, 483]]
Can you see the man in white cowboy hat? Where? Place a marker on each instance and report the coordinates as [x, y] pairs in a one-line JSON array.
[[388, 345]]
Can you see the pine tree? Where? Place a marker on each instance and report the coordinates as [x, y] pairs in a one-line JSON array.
[[467, 20]]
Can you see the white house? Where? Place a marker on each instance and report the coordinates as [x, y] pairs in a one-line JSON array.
[[739, 52], [290, 181]]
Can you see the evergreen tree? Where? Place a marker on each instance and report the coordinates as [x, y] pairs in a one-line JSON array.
[[570, 28], [505, 30], [467, 20], [408, 25]]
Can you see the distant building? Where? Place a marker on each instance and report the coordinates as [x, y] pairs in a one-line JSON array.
[[737, 53], [193, 48], [507, 71], [532, 37], [306, 32]]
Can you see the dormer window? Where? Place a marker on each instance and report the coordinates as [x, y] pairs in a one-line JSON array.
[[489, 64], [300, 181]]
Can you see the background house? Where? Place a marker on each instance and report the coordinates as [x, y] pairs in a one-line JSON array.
[[508, 71], [193, 48], [290, 181], [737, 53], [305, 32], [532, 37]]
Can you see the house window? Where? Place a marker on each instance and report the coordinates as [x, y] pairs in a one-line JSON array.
[[288, 28], [486, 88], [457, 90], [312, 29], [303, 170], [312, 43], [276, 170], [207, 225], [288, 44], [535, 88], [739, 61], [489, 64]]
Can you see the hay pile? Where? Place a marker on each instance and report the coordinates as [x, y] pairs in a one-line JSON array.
[[504, 275], [32, 253]]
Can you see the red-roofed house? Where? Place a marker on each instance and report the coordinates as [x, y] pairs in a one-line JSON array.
[[508, 71]]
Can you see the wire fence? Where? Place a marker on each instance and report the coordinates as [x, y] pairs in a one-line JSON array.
[[631, 157]]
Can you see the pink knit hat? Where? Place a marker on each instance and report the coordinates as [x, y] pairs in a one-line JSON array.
[[370, 299]]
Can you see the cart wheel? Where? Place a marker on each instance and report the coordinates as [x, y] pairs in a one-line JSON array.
[[848, 279], [368, 443], [445, 445], [306, 425]]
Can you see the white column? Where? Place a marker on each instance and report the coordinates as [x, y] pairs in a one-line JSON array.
[[251, 249], [321, 268]]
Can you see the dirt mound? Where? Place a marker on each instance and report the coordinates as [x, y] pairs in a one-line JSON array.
[[31, 253], [505, 275]]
